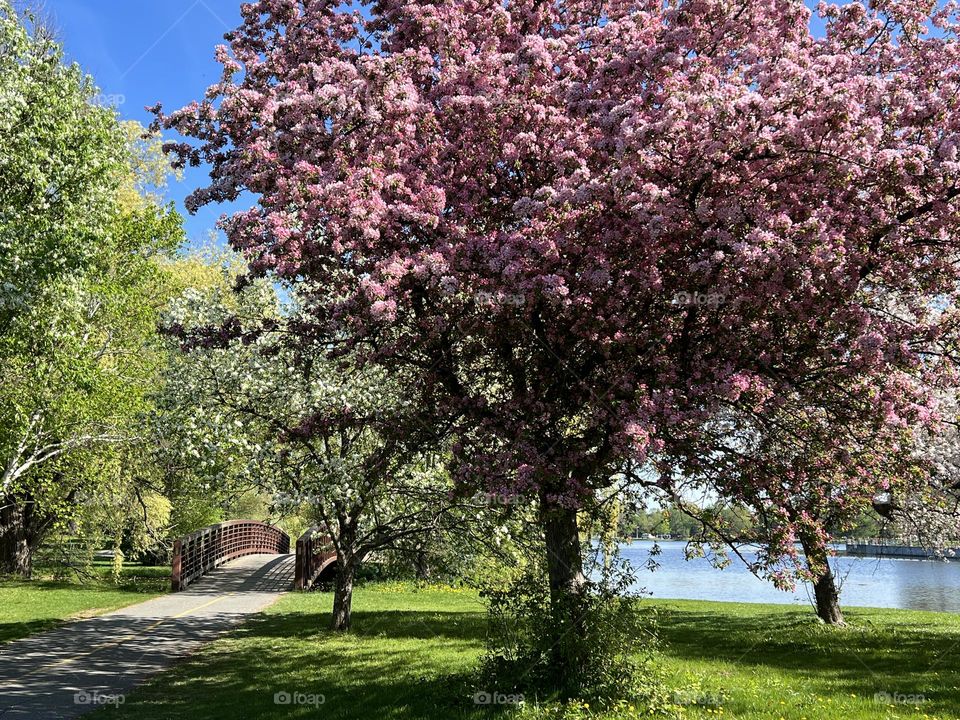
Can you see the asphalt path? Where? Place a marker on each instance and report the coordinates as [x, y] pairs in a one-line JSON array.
[[87, 664]]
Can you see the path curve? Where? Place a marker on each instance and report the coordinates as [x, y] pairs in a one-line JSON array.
[[79, 667]]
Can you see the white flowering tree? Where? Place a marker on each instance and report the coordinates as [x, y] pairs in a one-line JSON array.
[[930, 514], [248, 407]]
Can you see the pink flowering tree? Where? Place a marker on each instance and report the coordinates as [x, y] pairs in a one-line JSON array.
[[803, 474], [597, 228]]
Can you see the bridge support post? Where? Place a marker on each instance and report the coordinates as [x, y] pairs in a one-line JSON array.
[[300, 571], [315, 552], [175, 575]]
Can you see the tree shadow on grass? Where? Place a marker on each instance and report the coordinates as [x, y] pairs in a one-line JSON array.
[[387, 667], [135, 583], [875, 654], [370, 695], [66, 611], [16, 630], [393, 624]]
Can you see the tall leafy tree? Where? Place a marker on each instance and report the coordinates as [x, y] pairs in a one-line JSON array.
[[79, 281], [60, 162]]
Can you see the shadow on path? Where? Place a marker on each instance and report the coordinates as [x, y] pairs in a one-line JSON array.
[[87, 664]]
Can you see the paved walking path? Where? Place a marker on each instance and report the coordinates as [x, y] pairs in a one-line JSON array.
[[84, 665]]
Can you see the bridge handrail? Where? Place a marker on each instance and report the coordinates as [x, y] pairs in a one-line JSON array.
[[315, 552], [196, 554]]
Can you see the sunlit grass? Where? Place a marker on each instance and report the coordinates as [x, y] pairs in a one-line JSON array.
[[412, 654], [28, 607], [765, 662]]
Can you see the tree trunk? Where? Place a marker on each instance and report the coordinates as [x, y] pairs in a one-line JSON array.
[[342, 596], [825, 592], [16, 543], [346, 569], [827, 598], [564, 559], [565, 572], [16, 555], [421, 565]]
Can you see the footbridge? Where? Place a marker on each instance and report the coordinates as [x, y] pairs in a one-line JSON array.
[[201, 552]]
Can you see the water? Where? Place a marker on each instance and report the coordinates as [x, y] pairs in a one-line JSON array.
[[866, 582]]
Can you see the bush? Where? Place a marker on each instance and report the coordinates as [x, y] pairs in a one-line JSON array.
[[614, 642]]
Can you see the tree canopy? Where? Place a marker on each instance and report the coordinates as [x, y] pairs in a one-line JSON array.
[[690, 236]]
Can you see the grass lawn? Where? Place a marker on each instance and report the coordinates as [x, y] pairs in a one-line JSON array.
[[412, 652], [769, 662], [31, 607]]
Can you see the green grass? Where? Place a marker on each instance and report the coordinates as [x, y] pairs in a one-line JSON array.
[[765, 662], [412, 653], [409, 656], [28, 607]]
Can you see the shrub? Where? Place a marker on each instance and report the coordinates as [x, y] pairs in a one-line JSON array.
[[613, 641]]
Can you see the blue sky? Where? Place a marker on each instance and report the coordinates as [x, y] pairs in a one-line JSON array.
[[141, 52]]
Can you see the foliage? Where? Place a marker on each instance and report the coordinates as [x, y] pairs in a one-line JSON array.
[[612, 642], [929, 512], [164, 466], [80, 291], [59, 170], [671, 520]]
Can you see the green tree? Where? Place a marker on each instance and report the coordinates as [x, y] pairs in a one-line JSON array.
[[61, 160], [80, 277]]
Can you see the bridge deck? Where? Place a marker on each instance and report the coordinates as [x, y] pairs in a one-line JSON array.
[[57, 673]]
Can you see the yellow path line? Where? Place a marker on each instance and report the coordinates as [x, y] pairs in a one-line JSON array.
[[124, 639]]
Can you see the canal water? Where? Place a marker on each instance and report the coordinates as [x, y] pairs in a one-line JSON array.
[[866, 582]]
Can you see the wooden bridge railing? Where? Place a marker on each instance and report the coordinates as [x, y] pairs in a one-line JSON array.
[[198, 553], [315, 554]]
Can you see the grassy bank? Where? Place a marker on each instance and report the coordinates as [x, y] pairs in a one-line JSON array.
[[412, 653], [31, 607]]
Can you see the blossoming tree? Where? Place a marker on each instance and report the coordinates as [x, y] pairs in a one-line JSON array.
[[597, 227], [242, 403], [803, 474]]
